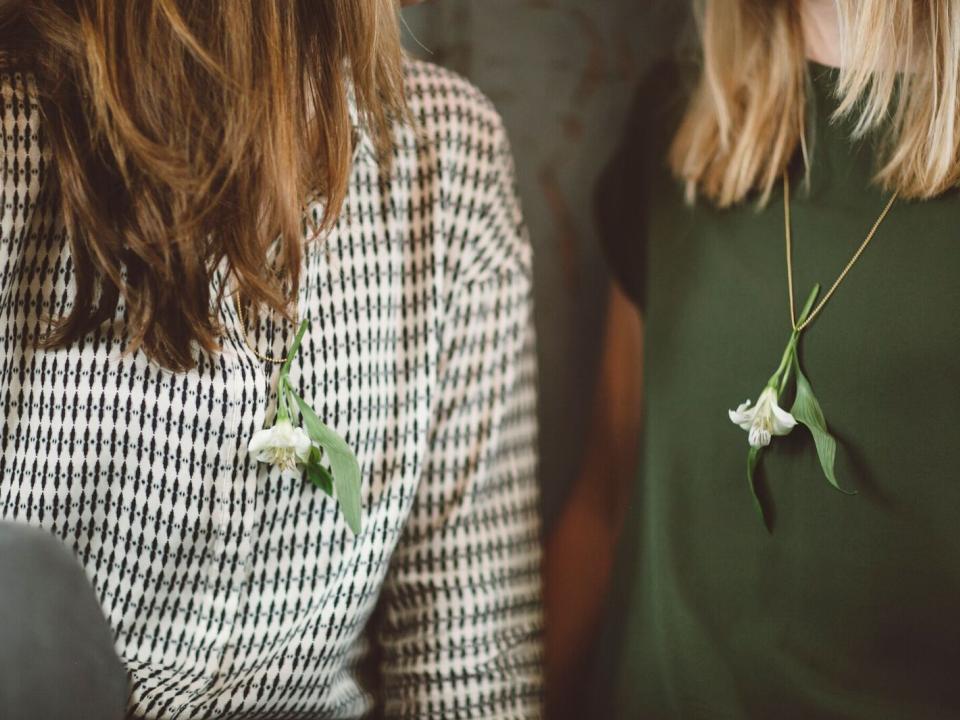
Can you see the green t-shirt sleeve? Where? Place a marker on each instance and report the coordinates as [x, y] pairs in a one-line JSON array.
[[630, 178]]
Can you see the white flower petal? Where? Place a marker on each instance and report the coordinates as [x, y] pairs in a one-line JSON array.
[[284, 433], [743, 415], [301, 444], [783, 422], [261, 440], [759, 436], [282, 445], [764, 420]]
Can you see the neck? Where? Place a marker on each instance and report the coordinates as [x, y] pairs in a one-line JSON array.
[[821, 31]]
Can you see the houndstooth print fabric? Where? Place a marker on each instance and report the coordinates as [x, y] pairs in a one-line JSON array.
[[235, 593]]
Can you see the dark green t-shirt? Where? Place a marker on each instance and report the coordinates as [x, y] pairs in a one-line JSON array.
[[850, 607]]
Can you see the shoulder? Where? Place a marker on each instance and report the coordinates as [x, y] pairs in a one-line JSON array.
[[463, 153], [658, 104], [637, 173], [441, 102], [654, 114]]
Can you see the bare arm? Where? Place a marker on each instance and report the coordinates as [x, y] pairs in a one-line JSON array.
[[580, 550]]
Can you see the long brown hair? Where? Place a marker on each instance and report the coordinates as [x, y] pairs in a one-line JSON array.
[[900, 74], [188, 136]]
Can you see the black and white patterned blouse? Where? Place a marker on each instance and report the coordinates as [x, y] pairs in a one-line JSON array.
[[236, 593]]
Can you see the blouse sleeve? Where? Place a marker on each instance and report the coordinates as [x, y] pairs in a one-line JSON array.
[[461, 630]]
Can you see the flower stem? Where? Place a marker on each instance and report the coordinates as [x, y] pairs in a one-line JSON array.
[[283, 382], [283, 411], [285, 370], [781, 376]]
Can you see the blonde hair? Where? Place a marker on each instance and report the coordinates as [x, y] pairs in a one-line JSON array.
[[900, 76], [187, 137]]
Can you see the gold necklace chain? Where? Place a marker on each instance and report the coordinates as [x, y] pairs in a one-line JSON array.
[[246, 339], [853, 260]]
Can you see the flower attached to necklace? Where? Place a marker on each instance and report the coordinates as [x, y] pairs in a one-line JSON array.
[[310, 449], [282, 445], [767, 419], [763, 420]]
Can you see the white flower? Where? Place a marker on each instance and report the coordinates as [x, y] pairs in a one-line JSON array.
[[283, 445], [763, 420]]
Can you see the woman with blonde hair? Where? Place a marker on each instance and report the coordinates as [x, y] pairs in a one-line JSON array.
[[783, 228], [267, 370]]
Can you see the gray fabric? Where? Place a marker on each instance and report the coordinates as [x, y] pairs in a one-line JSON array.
[[56, 650]]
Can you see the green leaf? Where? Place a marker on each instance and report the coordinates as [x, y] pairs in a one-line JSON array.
[[343, 462], [317, 473], [753, 459], [807, 411], [808, 305]]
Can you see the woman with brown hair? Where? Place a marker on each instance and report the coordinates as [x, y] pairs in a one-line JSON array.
[[267, 361], [782, 228]]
